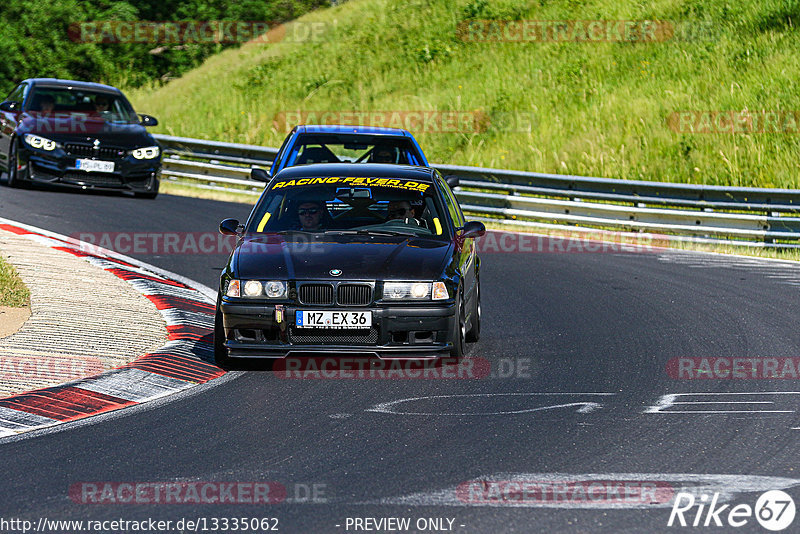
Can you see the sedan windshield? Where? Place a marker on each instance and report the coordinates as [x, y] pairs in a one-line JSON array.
[[383, 206], [61, 100]]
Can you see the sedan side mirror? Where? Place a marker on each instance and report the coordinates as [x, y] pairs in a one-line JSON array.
[[9, 106], [472, 230], [452, 181], [147, 120], [229, 227], [260, 175]]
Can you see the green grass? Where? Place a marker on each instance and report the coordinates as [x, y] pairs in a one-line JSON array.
[[12, 291], [600, 109]]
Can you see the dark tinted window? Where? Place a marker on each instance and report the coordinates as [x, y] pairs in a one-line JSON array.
[[350, 203]]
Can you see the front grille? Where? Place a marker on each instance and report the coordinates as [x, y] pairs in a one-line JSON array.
[[320, 336], [81, 150], [354, 294], [93, 178], [316, 294]]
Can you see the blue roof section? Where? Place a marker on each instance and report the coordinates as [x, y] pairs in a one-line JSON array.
[[344, 129]]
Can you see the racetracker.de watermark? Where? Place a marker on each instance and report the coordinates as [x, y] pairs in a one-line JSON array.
[[199, 492], [493, 242], [735, 122], [20, 369], [417, 121], [586, 31], [195, 31], [735, 368], [532, 492]]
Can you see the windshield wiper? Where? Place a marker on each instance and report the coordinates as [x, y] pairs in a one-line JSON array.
[[372, 232]]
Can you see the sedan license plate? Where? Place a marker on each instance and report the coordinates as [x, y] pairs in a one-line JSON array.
[[333, 319], [94, 165]]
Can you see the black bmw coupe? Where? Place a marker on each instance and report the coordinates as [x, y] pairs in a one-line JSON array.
[[77, 134], [351, 259]]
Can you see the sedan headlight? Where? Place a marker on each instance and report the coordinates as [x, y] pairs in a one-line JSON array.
[[149, 152], [407, 290], [40, 142], [254, 288]]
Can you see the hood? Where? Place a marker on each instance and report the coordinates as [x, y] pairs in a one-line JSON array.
[[311, 257], [80, 127]]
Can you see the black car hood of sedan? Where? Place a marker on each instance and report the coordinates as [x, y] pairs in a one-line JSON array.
[[77, 128], [359, 257]]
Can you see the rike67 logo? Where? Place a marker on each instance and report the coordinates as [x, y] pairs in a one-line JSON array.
[[774, 510]]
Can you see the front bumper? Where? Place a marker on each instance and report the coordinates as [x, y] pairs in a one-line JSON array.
[[57, 168], [414, 332]]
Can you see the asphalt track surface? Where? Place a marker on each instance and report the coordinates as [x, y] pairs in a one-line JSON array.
[[572, 324]]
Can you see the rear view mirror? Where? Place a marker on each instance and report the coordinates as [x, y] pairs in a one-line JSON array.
[[229, 227], [9, 106], [259, 175], [473, 229], [147, 120], [452, 181]]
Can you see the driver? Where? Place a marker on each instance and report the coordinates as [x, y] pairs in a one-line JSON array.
[[310, 215], [400, 209], [383, 155]]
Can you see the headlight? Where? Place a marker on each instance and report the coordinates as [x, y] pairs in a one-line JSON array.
[[407, 290], [40, 142], [255, 288], [149, 152], [275, 290]]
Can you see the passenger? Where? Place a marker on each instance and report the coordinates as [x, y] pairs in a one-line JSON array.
[[400, 209], [101, 104]]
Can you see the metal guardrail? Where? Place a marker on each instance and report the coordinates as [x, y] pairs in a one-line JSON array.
[[738, 215]]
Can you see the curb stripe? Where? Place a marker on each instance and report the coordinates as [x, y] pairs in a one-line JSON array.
[[183, 362], [64, 403]]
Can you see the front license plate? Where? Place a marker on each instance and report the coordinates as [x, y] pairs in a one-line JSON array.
[[333, 319], [94, 165]]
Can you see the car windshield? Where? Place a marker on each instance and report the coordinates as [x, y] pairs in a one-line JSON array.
[[350, 205], [344, 148], [61, 100]]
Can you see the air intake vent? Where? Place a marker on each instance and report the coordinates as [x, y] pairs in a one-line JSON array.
[[316, 294], [354, 294]]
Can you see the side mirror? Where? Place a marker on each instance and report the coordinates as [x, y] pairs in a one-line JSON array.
[[229, 227], [260, 175], [9, 106], [147, 120], [452, 181], [472, 230]]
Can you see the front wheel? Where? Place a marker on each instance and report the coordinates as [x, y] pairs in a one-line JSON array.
[[221, 357], [474, 333], [13, 163], [459, 329]]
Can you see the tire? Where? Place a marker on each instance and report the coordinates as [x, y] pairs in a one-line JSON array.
[[152, 193], [459, 329], [221, 357], [474, 333], [13, 173]]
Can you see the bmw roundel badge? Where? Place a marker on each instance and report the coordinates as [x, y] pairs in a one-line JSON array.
[[335, 272]]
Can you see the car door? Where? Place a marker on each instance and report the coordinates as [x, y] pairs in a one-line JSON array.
[[466, 247], [8, 121]]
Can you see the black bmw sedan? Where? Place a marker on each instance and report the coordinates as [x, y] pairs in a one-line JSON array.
[[351, 259], [77, 134]]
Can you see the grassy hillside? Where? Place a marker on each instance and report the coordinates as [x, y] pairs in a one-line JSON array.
[[600, 108]]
